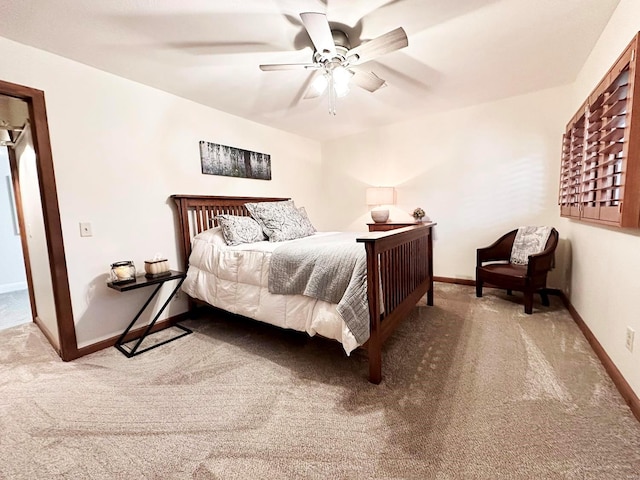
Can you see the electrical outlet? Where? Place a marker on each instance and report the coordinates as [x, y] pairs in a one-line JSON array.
[[630, 334], [85, 229]]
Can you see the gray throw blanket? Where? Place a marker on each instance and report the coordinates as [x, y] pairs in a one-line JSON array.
[[528, 241], [330, 268]]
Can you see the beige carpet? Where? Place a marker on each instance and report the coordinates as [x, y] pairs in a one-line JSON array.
[[472, 389], [15, 309]]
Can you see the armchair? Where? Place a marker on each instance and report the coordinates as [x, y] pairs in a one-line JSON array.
[[529, 279]]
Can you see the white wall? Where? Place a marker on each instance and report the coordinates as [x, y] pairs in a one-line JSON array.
[[11, 260], [478, 172], [119, 150], [606, 261], [36, 236]]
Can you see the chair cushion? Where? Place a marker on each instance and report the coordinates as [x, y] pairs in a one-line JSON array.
[[505, 275], [507, 269]]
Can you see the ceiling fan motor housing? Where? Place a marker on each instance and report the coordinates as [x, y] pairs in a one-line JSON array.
[[342, 46], [340, 39]]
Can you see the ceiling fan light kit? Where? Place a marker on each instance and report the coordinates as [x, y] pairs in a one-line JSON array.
[[336, 80], [335, 58]]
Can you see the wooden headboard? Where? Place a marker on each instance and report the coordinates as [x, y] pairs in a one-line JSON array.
[[196, 213]]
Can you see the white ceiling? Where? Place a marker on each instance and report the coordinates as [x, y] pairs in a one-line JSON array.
[[461, 52]]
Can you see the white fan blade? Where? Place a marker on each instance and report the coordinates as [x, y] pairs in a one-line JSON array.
[[311, 93], [303, 89], [287, 66], [368, 80], [318, 28], [386, 43]]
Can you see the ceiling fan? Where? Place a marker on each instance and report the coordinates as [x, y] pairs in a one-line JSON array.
[[335, 59]]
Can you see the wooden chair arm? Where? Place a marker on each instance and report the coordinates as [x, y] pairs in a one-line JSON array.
[[544, 261], [540, 263], [499, 250]]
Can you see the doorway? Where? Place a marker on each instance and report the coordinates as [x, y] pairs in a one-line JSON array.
[[15, 306], [41, 234]]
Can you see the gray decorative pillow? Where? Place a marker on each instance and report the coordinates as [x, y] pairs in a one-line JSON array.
[[237, 230], [280, 221], [306, 223]]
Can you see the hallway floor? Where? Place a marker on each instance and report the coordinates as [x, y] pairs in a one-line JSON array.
[[14, 309]]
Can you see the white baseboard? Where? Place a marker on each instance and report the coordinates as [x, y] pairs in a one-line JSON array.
[[12, 287]]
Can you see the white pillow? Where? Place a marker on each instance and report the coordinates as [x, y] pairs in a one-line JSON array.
[[212, 235], [237, 230], [280, 221]]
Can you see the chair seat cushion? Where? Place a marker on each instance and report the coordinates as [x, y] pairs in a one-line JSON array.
[[513, 276], [506, 269]]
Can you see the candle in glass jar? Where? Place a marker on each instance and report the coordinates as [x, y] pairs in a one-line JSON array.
[[123, 272]]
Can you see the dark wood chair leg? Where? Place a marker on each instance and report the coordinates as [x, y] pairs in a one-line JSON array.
[[528, 303], [478, 288], [544, 297], [509, 292]]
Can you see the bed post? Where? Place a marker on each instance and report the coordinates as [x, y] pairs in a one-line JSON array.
[[183, 218], [399, 273], [374, 344], [185, 240]]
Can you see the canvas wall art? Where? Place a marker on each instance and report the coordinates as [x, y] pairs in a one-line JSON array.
[[234, 162]]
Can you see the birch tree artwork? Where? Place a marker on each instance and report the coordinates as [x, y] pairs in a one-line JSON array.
[[234, 162]]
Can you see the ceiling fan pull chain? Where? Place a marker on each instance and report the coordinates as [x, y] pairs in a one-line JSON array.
[[332, 94]]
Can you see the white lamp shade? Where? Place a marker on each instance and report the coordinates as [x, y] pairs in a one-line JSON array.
[[380, 196]]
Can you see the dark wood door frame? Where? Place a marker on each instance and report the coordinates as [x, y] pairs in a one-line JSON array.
[[17, 193], [68, 347]]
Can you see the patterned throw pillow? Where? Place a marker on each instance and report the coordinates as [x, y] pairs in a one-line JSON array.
[[280, 221], [237, 230], [306, 222]]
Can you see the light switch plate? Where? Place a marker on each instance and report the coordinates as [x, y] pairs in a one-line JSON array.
[[85, 229], [629, 341]]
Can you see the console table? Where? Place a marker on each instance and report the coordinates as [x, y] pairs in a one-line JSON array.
[[140, 282]]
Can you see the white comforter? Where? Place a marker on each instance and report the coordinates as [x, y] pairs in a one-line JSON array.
[[236, 279]]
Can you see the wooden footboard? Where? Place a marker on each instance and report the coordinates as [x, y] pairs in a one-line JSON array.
[[399, 264], [399, 273]]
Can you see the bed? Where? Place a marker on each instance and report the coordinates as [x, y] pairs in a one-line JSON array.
[[398, 274]]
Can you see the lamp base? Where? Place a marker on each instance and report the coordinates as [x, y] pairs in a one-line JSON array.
[[380, 216]]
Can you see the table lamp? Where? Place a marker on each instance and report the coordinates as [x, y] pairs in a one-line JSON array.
[[379, 197]]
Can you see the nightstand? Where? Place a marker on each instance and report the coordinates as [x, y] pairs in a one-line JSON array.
[[385, 226], [143, 281]]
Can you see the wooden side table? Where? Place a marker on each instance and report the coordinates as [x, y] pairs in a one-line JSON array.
[[386, 226], [140, 282]]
